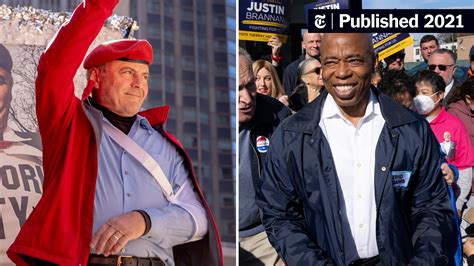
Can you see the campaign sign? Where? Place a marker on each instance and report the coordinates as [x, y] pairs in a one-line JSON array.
[[325, 4], [386, 44], [261, 19]]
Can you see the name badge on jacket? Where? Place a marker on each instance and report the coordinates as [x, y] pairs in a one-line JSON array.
[[400, 179]]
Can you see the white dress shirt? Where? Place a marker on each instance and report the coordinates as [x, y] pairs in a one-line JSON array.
[[353, 151], [448, 88]]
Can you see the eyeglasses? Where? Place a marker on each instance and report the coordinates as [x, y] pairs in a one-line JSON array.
[[316, 70], [441, 67]]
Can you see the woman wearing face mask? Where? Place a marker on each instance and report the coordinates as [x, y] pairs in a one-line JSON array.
[[267, 81], [430, 93]]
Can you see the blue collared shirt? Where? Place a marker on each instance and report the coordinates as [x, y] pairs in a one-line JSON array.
[[124, 185]]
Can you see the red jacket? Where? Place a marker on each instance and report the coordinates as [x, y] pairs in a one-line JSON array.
[[59, 229]]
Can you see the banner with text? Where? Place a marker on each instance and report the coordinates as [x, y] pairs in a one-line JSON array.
[[325, 4], [261, 19], [386, 44]]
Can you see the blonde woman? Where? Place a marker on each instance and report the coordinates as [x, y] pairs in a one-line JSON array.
[[267, 81]]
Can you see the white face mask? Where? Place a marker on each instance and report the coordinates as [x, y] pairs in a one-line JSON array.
[[424, 104]]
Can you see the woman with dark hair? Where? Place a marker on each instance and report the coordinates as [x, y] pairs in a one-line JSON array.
[[399, 86], [461, 105], [448, 129]]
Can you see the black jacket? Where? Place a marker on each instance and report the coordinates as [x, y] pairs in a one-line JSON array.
[[299, 193], [456, 82], [290, 75], [269, 113]]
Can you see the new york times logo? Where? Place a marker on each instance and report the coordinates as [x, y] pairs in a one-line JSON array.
[[427, 20], [320, 21]]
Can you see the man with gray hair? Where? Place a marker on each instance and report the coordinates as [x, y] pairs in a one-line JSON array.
[[354, 178], [259, 115], [443, 62]]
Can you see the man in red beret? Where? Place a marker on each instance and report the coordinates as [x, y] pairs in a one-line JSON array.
[[117, 187], [21, 169]]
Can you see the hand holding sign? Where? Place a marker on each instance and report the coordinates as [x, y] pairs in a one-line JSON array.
[[275, 43]]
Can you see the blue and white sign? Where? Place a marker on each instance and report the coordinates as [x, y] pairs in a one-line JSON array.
[[325, 4]]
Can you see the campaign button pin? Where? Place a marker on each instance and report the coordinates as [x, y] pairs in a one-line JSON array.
[[262, 144]]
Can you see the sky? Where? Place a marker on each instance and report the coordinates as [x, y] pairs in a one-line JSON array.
[[418, 4]]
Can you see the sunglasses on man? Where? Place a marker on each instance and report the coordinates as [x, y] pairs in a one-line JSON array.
[[440, 67]]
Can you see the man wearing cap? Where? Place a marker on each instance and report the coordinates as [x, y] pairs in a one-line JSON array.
[[101, 205], [21, 168]]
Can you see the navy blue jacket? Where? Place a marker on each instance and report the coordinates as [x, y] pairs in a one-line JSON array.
[[299, 193]]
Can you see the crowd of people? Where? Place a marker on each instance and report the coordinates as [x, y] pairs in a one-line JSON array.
[[337, 114]]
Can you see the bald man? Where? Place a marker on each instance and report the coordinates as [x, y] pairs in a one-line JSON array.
[[354, 178], [311, 44]]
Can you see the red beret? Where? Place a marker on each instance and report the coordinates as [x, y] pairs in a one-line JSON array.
[[5, 59], [133, 50]]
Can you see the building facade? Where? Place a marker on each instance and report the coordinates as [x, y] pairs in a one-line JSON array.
[[191, 73]]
